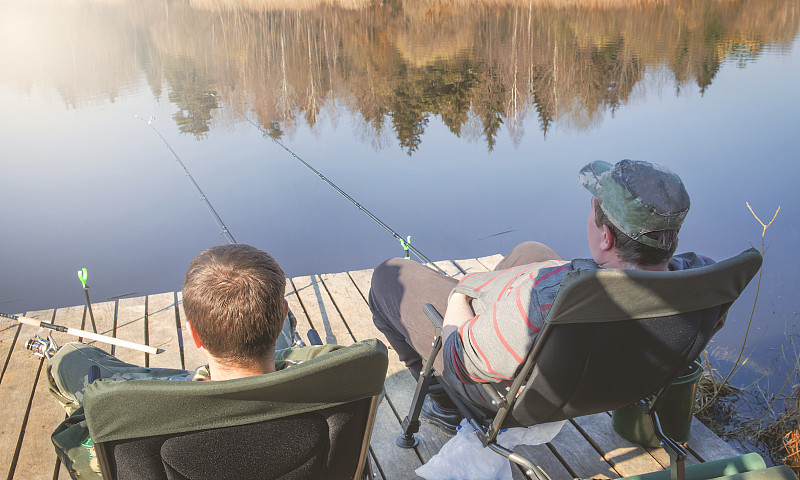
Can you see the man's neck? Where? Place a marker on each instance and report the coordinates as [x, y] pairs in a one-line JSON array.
[[226, 370], [619, 264]]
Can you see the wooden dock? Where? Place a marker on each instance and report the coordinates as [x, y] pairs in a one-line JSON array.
[[335, 305]]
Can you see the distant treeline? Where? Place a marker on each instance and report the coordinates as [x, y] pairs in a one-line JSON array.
[[477, 65]]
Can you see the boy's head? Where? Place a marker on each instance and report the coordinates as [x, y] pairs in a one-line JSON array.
[[643, 204], [233, 296]]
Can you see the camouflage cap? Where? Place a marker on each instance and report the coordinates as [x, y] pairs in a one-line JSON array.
[[637, 197]]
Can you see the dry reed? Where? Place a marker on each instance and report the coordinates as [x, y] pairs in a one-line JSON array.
[[747, 414]]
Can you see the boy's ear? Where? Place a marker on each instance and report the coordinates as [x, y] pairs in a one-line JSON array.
[[285, 308], [195, 337]]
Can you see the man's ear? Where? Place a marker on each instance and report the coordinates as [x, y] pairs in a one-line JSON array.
[[195, 337], [285, 308], [609, 241]]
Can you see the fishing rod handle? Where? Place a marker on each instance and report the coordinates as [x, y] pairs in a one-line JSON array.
[[113, 341], [82, 333]]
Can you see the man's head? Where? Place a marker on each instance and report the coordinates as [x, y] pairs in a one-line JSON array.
[[234, 299], [641, 204]]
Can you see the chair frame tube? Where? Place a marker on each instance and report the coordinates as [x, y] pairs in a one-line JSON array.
[[363, 458], [410, 424], [489, 437]]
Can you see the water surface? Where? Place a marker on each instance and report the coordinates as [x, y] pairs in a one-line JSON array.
[[462, 124]]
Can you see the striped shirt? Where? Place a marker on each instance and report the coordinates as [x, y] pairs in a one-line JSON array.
[[510, 309]]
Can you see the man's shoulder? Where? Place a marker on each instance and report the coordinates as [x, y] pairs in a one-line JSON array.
[[685, 261], [486, 280], [296, 355], [584, 264]]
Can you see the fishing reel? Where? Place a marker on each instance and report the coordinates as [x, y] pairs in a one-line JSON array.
[[41, 347]]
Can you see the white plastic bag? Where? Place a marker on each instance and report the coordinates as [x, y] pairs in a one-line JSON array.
[[463, 457]]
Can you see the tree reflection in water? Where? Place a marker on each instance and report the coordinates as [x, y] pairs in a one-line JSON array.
[[478, 66]]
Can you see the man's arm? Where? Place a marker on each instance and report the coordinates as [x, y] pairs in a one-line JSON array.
[[458, 311]]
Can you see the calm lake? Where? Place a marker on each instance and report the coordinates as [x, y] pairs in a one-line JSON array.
[[460, 123]]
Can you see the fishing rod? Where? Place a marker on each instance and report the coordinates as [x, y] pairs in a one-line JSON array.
[[43, 347], [296, 340], [404, 242], [224, 230]]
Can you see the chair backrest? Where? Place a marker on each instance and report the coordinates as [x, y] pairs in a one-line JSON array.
[[309, 421], [613, 337]]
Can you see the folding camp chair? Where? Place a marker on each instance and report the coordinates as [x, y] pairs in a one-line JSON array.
[[611, 338], [308, 421]]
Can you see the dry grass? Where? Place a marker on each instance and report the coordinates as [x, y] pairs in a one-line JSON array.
[[791, 443], [750, 417]]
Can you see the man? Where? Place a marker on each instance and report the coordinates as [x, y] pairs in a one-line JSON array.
[[233, 296], [492, 319]]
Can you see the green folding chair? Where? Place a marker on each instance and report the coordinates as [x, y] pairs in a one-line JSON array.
[[309, 421], [611, 338]]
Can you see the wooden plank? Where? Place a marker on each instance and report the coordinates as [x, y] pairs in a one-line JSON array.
[[362, 280], [163, 331], [323, 313], [131, 327], [17, 389], [491, 261], [337, 304], [662, 457], [321, 310], [626, 457], [351, 306], [303, 324], [400, 384], [37, 459], [104, 314], [470, 266], [8, 332], [394, 462], [707, 445], [450, 268], [545, 459], [579, 454]]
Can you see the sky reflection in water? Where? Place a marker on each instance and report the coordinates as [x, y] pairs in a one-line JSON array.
[[464, 130]]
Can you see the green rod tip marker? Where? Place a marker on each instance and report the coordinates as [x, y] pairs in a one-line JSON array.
[[83, 275], [405, 244]]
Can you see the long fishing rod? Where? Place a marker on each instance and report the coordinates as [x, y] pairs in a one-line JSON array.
[[224, 230], [296, 341], [405, 242]]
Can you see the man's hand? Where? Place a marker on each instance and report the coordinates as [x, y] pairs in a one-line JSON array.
[[459, 310]]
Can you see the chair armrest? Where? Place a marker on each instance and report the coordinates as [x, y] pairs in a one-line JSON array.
[[433, 315]]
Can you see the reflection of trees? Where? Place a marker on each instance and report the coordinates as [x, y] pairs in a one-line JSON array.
[[446, 91], [189, 90], [484, 64]]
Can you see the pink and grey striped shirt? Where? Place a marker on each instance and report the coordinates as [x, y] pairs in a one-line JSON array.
[[510, 309]]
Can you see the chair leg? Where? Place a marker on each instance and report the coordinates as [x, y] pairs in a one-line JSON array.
[[368, 473], [411, 422], [534, 472], [677, 454]]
